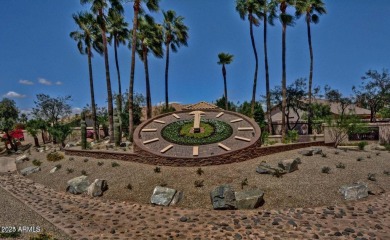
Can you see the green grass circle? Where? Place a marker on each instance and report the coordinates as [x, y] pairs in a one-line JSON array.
[[179, 132]]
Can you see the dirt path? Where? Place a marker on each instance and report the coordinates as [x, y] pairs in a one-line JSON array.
[[83, 218]]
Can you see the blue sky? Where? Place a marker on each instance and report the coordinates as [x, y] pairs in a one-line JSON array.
[[38, 56]]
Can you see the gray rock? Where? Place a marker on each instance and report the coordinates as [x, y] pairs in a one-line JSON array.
[[70, 144], [29, 170], [354, 191], [21, 159], [250, 199], [177, 198], [380, 148], [162, 196], [264, 168], [306, 152], [316, 150], [53, 170], [223, 197], [97, 188], [289, 165], [78, 185]]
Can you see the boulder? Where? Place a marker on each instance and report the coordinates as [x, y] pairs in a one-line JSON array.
[[316, 150], [29, 170], [289, 165], [354, 191], [223, 197], [97, 188], [162, 196], [177, 198], [78, 185], [53, 170], [380, 148], [21, 159], [250, 199], [264, 168], [306, 152]]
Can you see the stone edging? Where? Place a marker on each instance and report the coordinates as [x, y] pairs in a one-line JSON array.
[[142, 156]]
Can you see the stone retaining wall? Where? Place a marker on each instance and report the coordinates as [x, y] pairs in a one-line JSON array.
[[142, 156]]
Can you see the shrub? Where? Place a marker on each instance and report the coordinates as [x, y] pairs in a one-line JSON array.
[[115, 164], [86, 159], [360, 159], [100, 163], [36, 162], [157, 169], [244, 183], [377, 153], [83, 172], [199, 183], [386, 173], [43, 236], [54, 156], [129, 186], [58, 166], [325, 170], [70, 170], [368, 156], [291, 136], [336, 152], [340, 165], [371, 177], [71, 158], [323, 155], [199, 171], [362, 144], [278, 173], [12, 234]]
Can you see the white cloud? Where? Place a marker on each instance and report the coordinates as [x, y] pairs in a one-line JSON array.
[[58, 83], [26, 82], [77, 110], [12, 94], [44, 81]]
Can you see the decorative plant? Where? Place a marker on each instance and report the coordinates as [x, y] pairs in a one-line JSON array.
[[199, 183], [244, 183], [199, 171], [54, 156], [340, 165], [157, 169], [36, 162], [325, 170]]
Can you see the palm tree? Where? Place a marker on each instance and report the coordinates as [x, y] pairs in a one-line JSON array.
[[268, 13], [87, 37], [152, 5], [251, 8], [149, 36], [175, 35], [119, 33], [310, 8], [98, 8], [225, 58], [286, 20]]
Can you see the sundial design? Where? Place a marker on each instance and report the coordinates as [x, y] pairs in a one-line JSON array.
[[197, 134]]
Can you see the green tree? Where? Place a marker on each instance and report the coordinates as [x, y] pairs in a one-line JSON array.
[[51, 109], [175, 35], [224, 59], [152, 5], [60, 132], [149, 39], [23, 118], [311, 9], [99, 7], [286, 20], [87, 37], [373, 93], [33, 129], [220, 102], [8, 116], [251, 8], [119, 33]]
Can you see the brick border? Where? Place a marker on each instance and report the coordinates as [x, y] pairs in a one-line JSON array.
[[145, 157]]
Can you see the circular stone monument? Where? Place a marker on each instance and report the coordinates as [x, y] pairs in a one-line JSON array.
[[197, 134]]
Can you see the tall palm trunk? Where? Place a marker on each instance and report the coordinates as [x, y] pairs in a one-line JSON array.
[[268, 96], [256, 67], [136, 8], [310, 115], [95, 128], [284, 81], [166, 74], [119, 74], [225, 86], [110, 107], [148, 97], [119, 84]]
